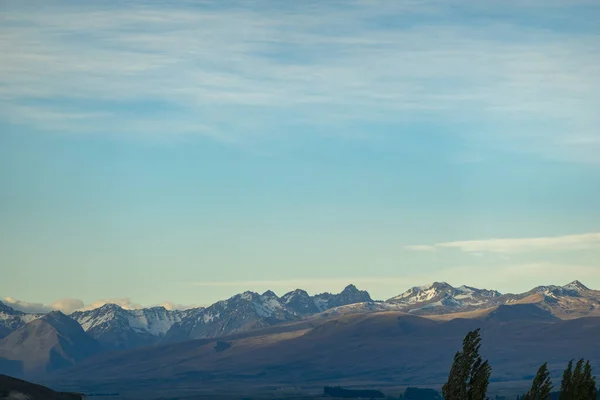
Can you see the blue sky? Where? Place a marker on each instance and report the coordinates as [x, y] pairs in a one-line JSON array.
[[185, 151]]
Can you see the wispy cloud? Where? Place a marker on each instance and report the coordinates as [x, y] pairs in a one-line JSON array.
[[92, 67], [26, 306], [64, 305], [124, 303], [68, 306], [522, 245]]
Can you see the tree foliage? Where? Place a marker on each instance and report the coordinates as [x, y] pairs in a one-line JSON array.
[[566, 386], [541, 387], [578, 383], [469, 375]]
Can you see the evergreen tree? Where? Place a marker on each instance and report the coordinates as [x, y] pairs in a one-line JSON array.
[[469, 375], [541, 385], [579, 382], [588, 390], [566, 386]]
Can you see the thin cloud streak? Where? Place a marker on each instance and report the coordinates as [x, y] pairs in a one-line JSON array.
[[204, 64], [523, 245]]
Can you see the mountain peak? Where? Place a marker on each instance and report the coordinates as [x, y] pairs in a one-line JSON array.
[[350, 288], [297, 292], [433, 285], [60, 321], [576, 285], [55, 314], [248, 295], [110, 307], [269, 293], [9, 310], [441, 285]]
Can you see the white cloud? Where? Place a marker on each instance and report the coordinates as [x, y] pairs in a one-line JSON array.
[[522, 245], [67, 306], [124, 303], [25, 306], [78, 68]]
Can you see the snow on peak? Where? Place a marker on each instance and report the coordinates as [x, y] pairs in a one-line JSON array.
[[155, 321], [419, 294], [442, 295], [248, 295], [576, 285], [466, 289]]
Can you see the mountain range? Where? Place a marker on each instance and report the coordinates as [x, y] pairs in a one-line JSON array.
[[117, 328], [36, 343], [384, 350]]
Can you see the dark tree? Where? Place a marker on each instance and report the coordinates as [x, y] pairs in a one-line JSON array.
[[591, 389], [541, 385], [578, 383], [566, 386], [469, 375]]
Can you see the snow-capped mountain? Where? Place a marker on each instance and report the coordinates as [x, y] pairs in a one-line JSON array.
[[573, 300], [250, 310], [570, 301], [440, 297], [117, 328], [240, 313], [11, 319]]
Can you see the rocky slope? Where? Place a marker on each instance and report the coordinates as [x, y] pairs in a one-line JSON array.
[[51, 342], [381, 349], [570, 301], [574, 300], [11, 319], [116, 328], [440, 297], [250, 310]]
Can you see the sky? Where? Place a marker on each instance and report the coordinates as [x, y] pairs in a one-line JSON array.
[[160, 152]]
